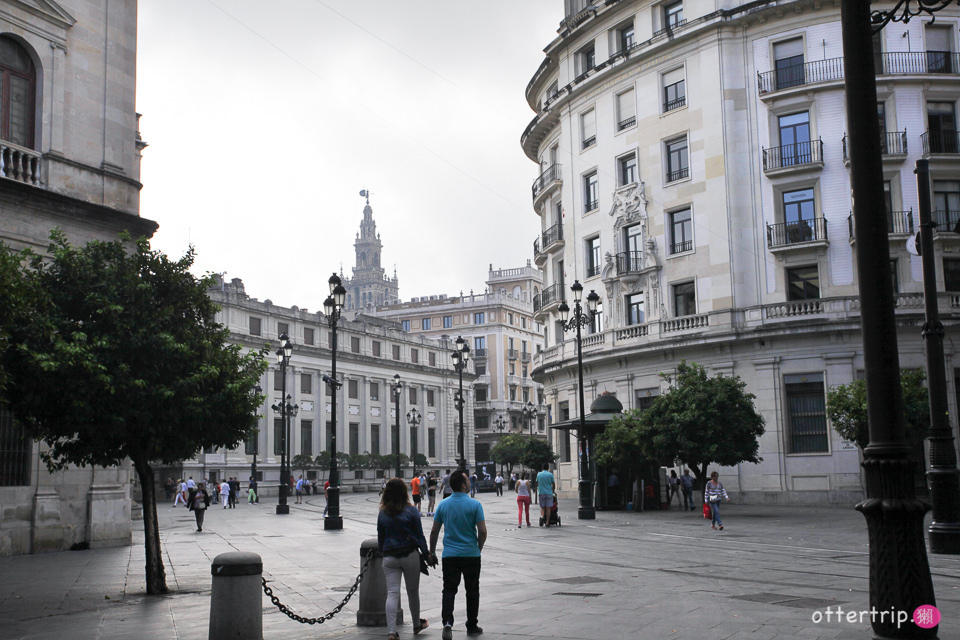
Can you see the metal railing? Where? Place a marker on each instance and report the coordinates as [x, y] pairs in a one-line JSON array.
[[793, 155], [787, 233], [800, 74], [480, 352], [551, 174], [919, 62], [550, 295], [512, 354], [627, 123], [892, 143], [676, 103], [593, 270], [940, 142], [590, 205], [679, 174], [679, 24], [946, 220], [629, 262], [550, 236], [681, 247]]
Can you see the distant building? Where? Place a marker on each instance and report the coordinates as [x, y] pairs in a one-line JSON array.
[[369, 286], [503, 337], [69, 158], [370, 352]]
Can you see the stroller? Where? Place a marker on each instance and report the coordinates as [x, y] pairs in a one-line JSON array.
[[554, 516]]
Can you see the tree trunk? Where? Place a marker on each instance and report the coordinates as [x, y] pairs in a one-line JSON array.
[[156, 577]]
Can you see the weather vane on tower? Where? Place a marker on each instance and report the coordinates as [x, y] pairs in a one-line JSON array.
[[365, 193]]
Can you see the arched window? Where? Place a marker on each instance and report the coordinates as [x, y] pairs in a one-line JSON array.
[[18, 90]]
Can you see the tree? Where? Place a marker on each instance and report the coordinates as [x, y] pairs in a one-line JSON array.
[[420, 461], [123, 360], [699, 420], [508, 450], [536, 453], [847, 408], [302, 462]]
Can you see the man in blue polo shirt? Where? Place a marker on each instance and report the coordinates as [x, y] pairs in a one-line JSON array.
[[465, 531], [545, 485]]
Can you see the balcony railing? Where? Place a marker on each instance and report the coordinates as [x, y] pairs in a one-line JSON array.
[[897, 222], [524, 356], [550, 295], [940, 142], [681, 247], [787, 233], [679, 24], [919, 62], [593, 270], [626, 123], [17, 163], [800, 74], [793, 155], [946, 220], [670, 105], [629, 262], [892, 143], [512, 354], [551, 236], [679, 174], [552, 174], [480, 353]]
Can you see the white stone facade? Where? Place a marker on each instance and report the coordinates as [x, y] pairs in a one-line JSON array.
[[693, 171], [69, 158]]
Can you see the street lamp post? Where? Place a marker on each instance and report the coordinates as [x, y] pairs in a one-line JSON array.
[[530, 413], [500, 423], [576, 321], [397, 386], [332, 307], [284, 409], [413, 418], [460, 357], [257, 390]]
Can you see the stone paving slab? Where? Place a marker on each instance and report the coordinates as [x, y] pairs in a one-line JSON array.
[[661, 574]]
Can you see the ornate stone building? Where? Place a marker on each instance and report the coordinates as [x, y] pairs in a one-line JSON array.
[[69, 158]]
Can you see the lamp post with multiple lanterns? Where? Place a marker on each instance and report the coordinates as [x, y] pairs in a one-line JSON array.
[[529, 412], [413, 418], [575, 322], [285, 410], [500, 423], [460, 357], [332, 308], [397, 386], [257, 390]]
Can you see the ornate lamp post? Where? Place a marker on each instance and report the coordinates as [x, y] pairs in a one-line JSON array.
[[460, 357], [577, 320], [413, 418], [332, 307], [500, 423], [284, 409], [257, 390], [529, 412], [397, 386]]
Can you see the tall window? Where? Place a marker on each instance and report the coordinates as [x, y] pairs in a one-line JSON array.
[[405, 324], [250, 446], [807, 415], [939, 49], [803, 283], [942, 127], [354, 429], [798, 214], [481, 394], [480, 346], [414, 356], [479, 317], [674, 90], [788, 63], [681, 231], [413, 394], [951, 274], [430, 397], [635, 309], [593, 256], [277, 380], [375, 439], [282, 327], [18, 90], [882, 120], [306, 383], [353, 389], [586, 59], [255, 326], [396, 351], [626, 110], [588, 128], [946, 204], [795, 139], [633, 240], [591, 192], [425, 323], [627, 169], [447, 322], [15, 447], [354, 344], [432, 443], [596, 325], [277, 436], [306, 437], [625, 37], [432, 358], [307, 335], [685, 299], [673, 15], [374, 391], [678, 162], [376, 348]]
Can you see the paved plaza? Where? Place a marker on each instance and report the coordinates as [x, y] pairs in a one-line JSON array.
[[661, 574]]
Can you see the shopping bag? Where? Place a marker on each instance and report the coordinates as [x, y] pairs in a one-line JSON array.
[[706, 510]]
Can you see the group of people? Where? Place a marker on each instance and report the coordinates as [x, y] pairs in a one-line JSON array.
[[402, 542], [713, 493]]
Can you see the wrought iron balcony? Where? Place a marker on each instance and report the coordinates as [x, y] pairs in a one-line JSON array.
[[679, 174], [801, 155], [549, 238], [787, 233], [676, 103], [629, 262], [946, 220], [940, 142], [800, 74], [897, 222], [549, 296], [512, 354], [892, 143], [545, 180], [681, 247]]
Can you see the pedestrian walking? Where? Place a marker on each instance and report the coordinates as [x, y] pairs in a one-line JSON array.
[[465, 531], [181, 495], [401, 541], [473, 484], [545, 485], [431, 492], [253, 487], [251, 495], [686, 486], [522, 487], [673, 488], [201, 500], [326, 496], [415, 491], [225, 493], [445, 490], [498, 484], [299, 490], [234, 491], [712, 494]]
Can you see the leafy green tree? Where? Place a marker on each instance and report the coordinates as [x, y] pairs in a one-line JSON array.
[[847, 408], [302, 463], [420, 461], [139, 369], [508, 450], [322, 462], [536, 453], [699, 420]]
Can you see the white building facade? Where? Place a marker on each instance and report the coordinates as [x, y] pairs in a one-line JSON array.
[[693, 171], [69, 158], [370, 352]]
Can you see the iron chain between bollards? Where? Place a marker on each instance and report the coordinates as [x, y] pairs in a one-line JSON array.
[[294, 616]]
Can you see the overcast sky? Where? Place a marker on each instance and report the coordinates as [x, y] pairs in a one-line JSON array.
[[265, 120]]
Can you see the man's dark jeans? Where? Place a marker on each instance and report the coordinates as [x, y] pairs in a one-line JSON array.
[[453, 568]]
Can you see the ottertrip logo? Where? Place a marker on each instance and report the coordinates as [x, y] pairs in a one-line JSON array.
[[925, 616]]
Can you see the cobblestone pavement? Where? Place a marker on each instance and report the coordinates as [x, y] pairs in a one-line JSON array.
[[662, 574]]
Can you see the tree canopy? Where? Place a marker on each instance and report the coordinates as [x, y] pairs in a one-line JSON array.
[[528, 451], [847, 408], [123, 359], [700, 421]]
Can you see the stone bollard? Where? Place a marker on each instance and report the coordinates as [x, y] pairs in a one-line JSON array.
[[373, 589], [236, 599]]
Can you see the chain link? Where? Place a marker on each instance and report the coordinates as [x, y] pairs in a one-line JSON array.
[[294, 616]]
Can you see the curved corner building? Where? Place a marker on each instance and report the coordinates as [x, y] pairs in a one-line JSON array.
[[693, 171]]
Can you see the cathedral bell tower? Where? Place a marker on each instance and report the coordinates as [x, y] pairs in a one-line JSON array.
[[369, 286]]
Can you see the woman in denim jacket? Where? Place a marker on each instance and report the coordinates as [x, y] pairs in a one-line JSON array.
[[713, 492], [400, 534]]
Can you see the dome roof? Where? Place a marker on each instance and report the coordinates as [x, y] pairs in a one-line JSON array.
[[606, 403]]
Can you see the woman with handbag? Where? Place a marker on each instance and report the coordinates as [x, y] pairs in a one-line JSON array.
[[401, 541], [713, 492], [201, 500], [522, 487]]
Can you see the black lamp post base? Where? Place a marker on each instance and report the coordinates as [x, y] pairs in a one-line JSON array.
[[944, 537], [283, 509], [332, 523], [586, 513]]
